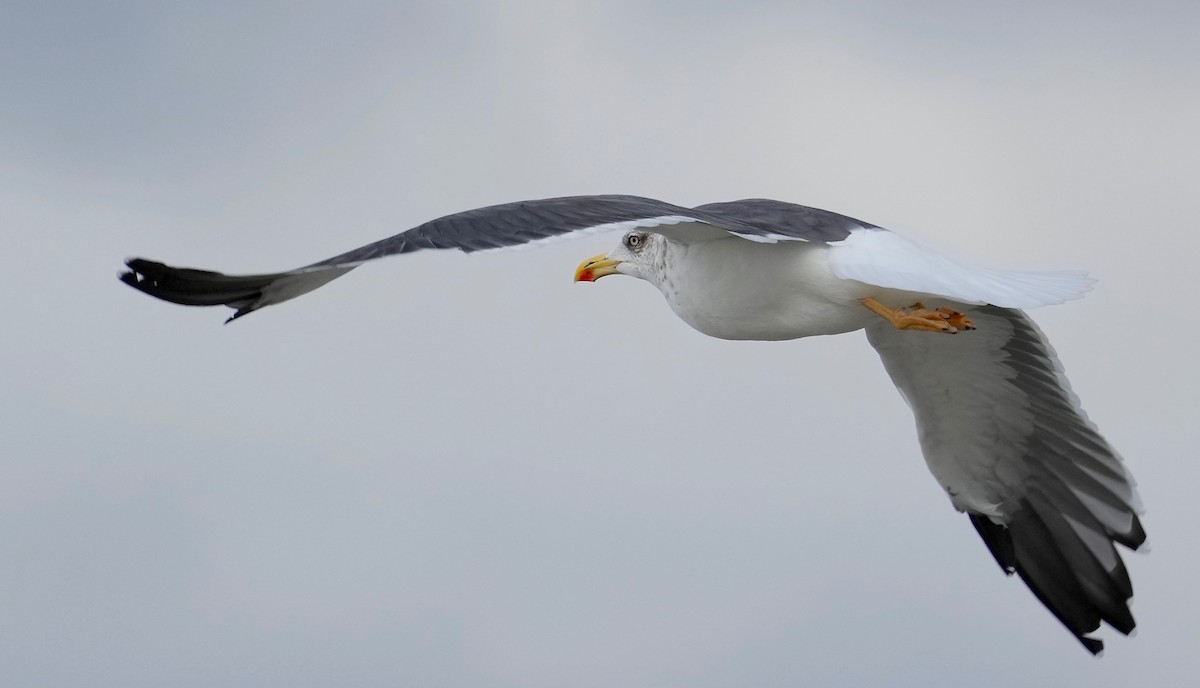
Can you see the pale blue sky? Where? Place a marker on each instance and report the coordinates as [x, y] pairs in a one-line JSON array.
[[466, 471]]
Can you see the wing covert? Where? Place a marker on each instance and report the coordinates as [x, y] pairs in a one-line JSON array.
[[771, 221]]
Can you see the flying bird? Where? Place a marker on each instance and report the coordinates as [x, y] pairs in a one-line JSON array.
[[998, 424]]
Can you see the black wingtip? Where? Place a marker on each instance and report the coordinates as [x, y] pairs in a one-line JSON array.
[[245, 310], [140, 274], [243, 293], [1059, 573], [998, 542], [1135, 539], [192, 287]]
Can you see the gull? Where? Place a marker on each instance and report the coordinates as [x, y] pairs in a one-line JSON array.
[[999, 427]]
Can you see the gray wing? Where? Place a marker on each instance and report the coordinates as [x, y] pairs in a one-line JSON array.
[[780, 221], [1007, 439], [496, 227], [500, 226]]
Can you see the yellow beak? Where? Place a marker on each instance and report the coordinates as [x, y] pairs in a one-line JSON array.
[[596, 267]]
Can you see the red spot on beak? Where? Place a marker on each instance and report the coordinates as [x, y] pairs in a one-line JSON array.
[[595, 267]]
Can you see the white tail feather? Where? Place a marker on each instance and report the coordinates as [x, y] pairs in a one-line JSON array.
[[886, 259]]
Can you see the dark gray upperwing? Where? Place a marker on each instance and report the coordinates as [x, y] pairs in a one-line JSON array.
[[498, 226], [780, 220], [514, 224]]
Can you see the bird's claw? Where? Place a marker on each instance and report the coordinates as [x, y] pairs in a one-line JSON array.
[[957, 319], [918, 317]]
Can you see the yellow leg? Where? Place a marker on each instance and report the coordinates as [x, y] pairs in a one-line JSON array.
[[917, 317]]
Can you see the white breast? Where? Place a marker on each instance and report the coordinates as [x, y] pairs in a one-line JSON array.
[[737, 289]]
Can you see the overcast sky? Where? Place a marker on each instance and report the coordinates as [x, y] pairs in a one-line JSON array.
[[448, 470]]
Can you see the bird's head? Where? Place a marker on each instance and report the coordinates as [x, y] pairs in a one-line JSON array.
[[638, 255]]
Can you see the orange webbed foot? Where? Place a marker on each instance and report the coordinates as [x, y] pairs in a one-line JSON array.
[[918, 317], [957, 319]]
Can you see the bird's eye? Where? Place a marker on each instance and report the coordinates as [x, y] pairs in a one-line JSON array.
[[633, 240]]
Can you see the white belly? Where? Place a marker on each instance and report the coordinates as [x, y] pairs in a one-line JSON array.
[[738, 289]]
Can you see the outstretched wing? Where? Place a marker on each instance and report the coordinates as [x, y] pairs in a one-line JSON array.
[[1005, 436], [501, 226]]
